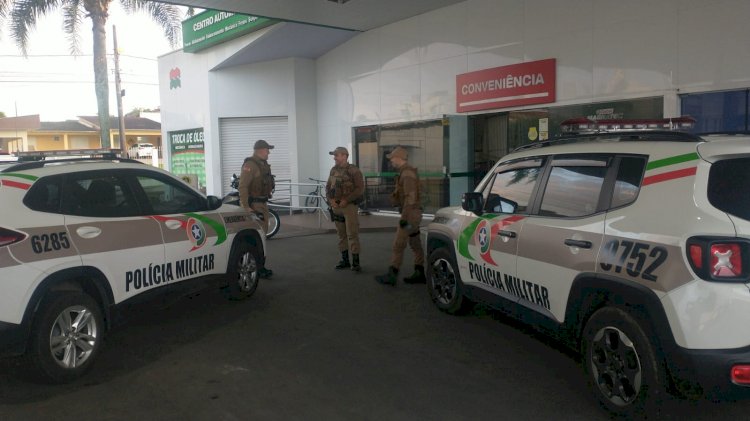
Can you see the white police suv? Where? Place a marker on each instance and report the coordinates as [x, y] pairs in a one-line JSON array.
[[632, 246], [80, 237]]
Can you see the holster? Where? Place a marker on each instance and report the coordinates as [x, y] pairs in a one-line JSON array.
[[335, 217]]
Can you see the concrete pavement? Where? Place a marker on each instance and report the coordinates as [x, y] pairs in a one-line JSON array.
[[299, 224]]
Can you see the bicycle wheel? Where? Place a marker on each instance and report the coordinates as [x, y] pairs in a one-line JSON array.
[[311, 202], [274, 223]]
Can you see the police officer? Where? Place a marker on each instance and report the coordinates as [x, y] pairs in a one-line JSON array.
[[406, 197], [344, 190], [256, 186]]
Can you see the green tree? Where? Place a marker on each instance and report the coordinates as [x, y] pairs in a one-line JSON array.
[[23, 15]]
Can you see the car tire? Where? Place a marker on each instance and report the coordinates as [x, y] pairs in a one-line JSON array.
[[243, 272], [622, 369], [66, 337], [444, 283]]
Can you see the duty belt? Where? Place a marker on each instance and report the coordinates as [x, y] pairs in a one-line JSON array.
[[258, 199]]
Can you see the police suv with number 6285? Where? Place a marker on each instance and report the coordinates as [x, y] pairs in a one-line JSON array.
[[83, 238], [631, 246]]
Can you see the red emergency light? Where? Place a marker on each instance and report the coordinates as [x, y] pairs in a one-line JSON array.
[[587, 125]]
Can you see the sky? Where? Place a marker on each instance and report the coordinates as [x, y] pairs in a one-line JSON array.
[[58, 86]]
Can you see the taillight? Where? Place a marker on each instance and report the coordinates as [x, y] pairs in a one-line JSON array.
[[8, 237], [719, 258], [741, 374]]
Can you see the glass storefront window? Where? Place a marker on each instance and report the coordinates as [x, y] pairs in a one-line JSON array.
[[423, 140], [717, 112]]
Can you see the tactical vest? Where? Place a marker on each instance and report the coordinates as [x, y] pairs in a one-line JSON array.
[[341, 181], [398, 195], [264, 186]]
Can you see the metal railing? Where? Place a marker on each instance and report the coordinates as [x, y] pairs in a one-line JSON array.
[[296, 196]]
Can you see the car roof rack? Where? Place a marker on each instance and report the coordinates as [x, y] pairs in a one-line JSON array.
[[38, 159]]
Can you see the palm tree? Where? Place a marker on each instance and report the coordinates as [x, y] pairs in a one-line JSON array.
[[23, 15]]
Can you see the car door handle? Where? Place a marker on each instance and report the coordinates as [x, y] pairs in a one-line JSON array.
[[88, 232], [509, 234], [578, 243]]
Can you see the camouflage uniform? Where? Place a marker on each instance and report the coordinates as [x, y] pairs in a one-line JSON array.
[[256, 186], [348, 184], [406, 197]]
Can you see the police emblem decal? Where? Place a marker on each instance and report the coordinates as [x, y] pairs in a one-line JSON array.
[[196, 233], [484, 241]]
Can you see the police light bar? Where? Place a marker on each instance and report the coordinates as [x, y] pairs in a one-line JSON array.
[[64, 153], [586, 125]]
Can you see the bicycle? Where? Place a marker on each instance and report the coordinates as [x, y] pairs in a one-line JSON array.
[[233, 198], [312, 201]]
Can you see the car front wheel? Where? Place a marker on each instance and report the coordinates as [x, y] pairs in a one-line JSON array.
[[66, 337], [623, 371], [243, 274], [444, 283]]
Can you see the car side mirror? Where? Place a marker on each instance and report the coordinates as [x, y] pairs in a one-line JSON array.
[[213, 202], [472, 202]]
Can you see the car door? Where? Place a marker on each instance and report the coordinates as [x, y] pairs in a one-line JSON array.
[[108, 228], [563, 236], [195, 238], [487, 246]]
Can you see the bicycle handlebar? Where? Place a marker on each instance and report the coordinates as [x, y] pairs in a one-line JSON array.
[[315, 179]]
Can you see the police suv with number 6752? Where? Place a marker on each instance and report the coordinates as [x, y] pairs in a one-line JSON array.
[[630, 246], [82, 237]]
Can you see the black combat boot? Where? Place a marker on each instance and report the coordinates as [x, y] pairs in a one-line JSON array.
[[265, 273], [355, 263], [417, 277], [344, 263], [388, 278]]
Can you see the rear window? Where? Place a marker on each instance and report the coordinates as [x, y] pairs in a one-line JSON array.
[[729, 187]]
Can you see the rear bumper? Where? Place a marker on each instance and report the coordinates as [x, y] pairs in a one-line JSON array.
[[710, 370]]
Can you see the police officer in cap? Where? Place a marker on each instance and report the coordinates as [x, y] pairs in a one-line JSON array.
[[406, 198], [344, 190], [256, 186]]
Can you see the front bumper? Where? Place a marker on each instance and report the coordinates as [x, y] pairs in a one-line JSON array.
[[12, 339]]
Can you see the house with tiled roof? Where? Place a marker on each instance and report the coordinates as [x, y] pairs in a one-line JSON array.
[[29, 133]]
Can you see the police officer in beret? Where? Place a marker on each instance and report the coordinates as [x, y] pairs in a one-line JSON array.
[[344, 190], [256, 186], [406, 198]]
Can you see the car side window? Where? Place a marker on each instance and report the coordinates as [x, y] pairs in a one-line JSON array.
[[98, 194], [166, 196], [628, 182], [727, 189], [514, 182], [44, 195], [573, 187]]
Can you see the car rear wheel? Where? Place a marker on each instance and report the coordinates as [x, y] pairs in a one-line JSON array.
[[444, 283], [243, 274], [66, 337], [620, 362]]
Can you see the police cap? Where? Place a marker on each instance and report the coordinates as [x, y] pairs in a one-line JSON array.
[[262, 144]]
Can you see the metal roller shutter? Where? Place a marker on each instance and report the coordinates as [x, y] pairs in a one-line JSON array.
[[237, 136]]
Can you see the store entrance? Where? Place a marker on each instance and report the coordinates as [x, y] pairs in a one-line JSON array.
[[424, 142]]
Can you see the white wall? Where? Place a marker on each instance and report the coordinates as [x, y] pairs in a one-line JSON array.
[[605, 50], [277, 88]]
